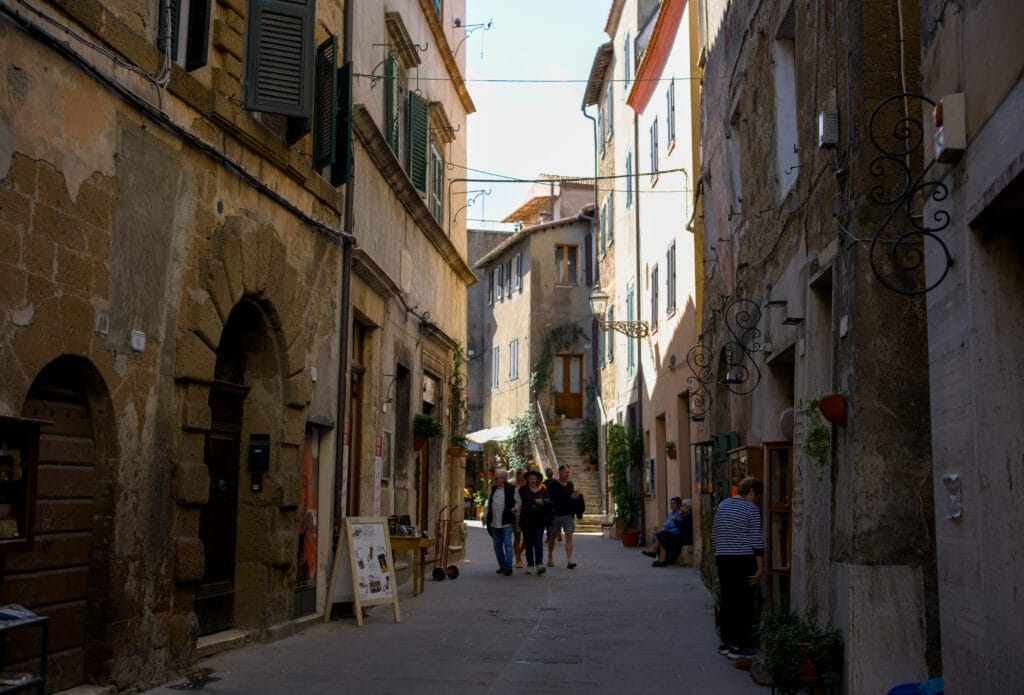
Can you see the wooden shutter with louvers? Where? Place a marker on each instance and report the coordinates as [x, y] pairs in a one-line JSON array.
[[325, 103], [161, 34], [279, 57], [341, 167], [417, 141], [392, 102]]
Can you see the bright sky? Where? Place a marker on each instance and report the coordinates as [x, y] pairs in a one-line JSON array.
[[519, 129]]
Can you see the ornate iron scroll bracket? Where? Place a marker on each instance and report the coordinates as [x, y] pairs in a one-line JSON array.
[[897, 248], [742, 375], [700, 360]]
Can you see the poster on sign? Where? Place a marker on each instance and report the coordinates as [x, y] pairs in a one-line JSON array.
[[371, 571]]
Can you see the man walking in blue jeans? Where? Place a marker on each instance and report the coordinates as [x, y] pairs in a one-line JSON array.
[[500, 517]]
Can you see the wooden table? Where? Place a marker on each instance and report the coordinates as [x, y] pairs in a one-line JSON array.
[[419, 559]]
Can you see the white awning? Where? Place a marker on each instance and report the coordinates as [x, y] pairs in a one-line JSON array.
[[492, 434]]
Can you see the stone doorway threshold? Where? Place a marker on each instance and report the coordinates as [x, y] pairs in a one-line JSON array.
[[208, 645]]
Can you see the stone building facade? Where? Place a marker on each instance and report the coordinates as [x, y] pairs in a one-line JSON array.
[[537, 318], [975, 312], [184, 301], [793, 311]]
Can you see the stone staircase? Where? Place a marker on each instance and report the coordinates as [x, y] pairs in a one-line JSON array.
[[586, 482]]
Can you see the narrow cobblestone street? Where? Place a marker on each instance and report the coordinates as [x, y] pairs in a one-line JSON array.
[[612, 625]]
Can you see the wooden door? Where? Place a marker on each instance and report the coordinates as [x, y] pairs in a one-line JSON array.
[[218, 521], [567, 385], [53, 577], [778, 505]]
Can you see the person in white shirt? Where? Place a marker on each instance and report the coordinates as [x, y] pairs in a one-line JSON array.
[[500, 516]]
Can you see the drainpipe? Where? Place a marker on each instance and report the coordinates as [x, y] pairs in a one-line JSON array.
[[344, 314], [639, 312]]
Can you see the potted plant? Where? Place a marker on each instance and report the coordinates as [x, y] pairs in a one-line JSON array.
[[799, 652], [817, 442], [424, 426], [457, 410], [457, 446], [624, 456], [586, 443], [479, 502], [670, 449]]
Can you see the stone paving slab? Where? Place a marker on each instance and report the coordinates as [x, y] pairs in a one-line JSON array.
[[612, 625]]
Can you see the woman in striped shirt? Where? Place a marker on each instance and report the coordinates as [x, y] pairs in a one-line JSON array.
[[739, 555]]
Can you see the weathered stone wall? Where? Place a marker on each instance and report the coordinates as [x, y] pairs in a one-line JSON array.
[[867, 523], [117, 225], [974, 319]]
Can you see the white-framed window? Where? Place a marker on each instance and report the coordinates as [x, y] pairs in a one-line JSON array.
[[630, 316], [654, 297], [513, 359], [629, 180], [495, 367], [654, 149], [500, 285], [519, 272], [508, 278], [670, 279], [567, 264], [436, 184], [670, 116]]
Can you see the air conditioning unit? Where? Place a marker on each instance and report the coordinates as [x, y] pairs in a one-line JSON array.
[[828, 129]]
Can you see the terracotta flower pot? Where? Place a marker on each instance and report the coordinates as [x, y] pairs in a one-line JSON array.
[[671, 453], [833, 408], [418, 442], [630, 538], [456, 452]]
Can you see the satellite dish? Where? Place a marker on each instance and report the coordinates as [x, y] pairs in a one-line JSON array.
[[786, 423]]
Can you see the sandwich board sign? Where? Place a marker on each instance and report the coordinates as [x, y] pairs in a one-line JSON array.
[[370, 580]]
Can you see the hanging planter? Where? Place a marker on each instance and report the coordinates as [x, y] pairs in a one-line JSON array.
[[670, 450], [418, 442], [424, 427], [833, 407], [456, 452]]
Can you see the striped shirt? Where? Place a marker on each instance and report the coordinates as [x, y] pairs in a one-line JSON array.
[[737, 529]]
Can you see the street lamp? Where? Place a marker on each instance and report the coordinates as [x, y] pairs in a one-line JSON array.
[[599, 307]]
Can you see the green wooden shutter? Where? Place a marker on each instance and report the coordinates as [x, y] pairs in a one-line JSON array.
[[326, 103], [197, 48], [341, 168], [417, 141], [279, 57], [162, 27]]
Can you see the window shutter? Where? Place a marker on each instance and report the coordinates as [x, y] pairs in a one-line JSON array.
[[417, 141], [611, 217], [197, 49], [161, 34], [390, 76], [326, 103], [341, 165], [279, 57]]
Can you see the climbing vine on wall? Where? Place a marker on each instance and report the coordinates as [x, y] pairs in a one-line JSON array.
[[559, 338], [457, 412]]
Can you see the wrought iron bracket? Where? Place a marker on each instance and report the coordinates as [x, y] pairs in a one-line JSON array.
[[897, 248], [700, 359], [634, 329], [742, 375]]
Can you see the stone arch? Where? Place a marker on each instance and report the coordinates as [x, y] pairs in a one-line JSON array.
[[246, 282], [73, 573]]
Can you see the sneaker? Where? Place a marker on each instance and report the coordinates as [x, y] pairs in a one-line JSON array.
[[541, 570], [500, 570], [724, 649], [743, 653], [529, 569]]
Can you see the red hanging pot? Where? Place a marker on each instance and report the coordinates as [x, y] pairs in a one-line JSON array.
[[418, 442], [833, 408]]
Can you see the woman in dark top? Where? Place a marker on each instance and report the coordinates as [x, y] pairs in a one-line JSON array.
[[536, 509]]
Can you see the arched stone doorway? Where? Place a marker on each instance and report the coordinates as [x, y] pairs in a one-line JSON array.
[[67, 573], [245, 401]]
